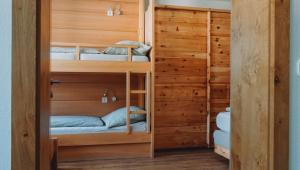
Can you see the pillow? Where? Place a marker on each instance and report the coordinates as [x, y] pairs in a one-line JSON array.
[[63, 50], [142, 49], [119, 117], [75, 121], [91, 51]]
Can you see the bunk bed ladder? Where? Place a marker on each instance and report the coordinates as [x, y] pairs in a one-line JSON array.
[[146, 92], [148, 100], [128, 123]]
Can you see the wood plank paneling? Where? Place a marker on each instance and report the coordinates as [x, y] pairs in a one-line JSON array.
[[75, 21], [80, 94], [180, 97], [220, 65], [181, 100]]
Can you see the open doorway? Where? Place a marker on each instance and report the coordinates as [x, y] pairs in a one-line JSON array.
[[255, 72]]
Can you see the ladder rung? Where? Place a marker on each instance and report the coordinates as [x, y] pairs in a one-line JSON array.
[[138, 112], [138, 92]]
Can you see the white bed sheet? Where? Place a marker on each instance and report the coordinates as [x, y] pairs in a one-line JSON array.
[[136, 127]]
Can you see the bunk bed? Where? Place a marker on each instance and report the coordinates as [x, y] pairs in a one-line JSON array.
[[134, 139]]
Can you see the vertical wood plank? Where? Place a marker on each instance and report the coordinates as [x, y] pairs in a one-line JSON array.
[[148, 101], [259, 98], [141, 31], [43, 83], [208, 77], [128, 101], [24, 112], [281, 40]]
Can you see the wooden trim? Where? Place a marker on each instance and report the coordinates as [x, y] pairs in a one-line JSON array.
[[102, 139], [208, 77], [128, 123], [191, 8], [141, 21], [222, 151], [75, 66], [148, 101], [30, 84], [138, 91], [152, 54]]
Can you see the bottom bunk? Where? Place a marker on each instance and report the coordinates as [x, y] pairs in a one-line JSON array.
[[98, 137]]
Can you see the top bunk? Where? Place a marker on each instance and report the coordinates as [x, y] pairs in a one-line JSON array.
[[81, 30], [88, 58]]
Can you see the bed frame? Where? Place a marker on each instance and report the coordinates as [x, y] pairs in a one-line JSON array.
[[222, 151], [72, 147]]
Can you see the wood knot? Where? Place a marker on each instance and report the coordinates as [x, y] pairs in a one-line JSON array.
[[277, 79]]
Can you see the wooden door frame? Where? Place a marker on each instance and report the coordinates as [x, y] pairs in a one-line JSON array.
[[30, 84], [260, 84], [31, 62]]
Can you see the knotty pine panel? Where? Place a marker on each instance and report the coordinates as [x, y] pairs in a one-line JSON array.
[[220, 65], [180, 88]]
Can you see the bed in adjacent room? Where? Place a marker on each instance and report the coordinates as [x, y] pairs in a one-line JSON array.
[[222, 135]]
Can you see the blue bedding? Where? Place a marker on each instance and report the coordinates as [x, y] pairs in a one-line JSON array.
[[136, 127], [223, 121], [76, 121], [222, 139]]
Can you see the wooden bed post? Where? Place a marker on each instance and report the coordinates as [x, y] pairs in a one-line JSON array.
[[128, 94]]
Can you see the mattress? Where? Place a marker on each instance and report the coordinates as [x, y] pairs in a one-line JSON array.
[[222, 139], [136, 127], [107, 57], [223, 121], [62, 56]]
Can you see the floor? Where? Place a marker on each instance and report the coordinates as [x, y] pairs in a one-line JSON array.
[[171, 160]]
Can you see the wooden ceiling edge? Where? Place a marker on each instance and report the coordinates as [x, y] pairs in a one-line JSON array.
[[192, 8]]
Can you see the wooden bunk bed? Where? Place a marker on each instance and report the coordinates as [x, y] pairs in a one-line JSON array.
[[112, 144]]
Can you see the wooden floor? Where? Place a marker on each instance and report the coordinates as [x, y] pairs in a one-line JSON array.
[[171, 160]]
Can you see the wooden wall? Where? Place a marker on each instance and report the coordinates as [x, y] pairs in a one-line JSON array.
[[220, 65], [81, 21], [181, 75], [181, 79], [80, 94]]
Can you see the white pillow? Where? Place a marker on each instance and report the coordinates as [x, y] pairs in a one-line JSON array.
[[119, 117], [142, 49]]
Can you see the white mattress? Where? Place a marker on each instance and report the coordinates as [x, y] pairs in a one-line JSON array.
[[62, 56], [107, 57], [136, 127], [223, 121]]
